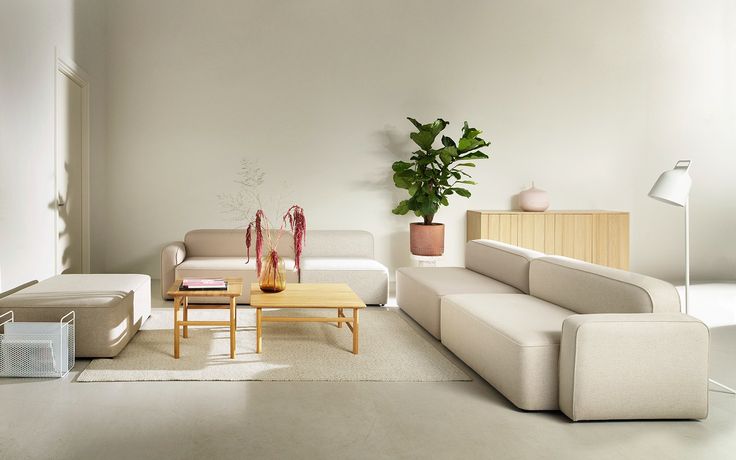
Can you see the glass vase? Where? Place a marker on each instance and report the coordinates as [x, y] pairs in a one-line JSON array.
[[273, 274]]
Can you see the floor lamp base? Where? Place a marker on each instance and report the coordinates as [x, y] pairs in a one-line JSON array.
[[728, 389]]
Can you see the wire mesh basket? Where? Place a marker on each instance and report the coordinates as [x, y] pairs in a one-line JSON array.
[[35, 349]]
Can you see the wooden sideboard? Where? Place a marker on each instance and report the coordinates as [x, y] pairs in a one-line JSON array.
[[600, 237]]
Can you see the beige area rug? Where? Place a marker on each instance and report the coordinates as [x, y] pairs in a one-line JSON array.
[[390, 350]]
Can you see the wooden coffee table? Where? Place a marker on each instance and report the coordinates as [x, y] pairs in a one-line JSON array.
[[181, 298], [307, 295]]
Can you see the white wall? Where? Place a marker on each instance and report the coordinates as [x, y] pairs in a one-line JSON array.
[[592, 100], [29, 32]]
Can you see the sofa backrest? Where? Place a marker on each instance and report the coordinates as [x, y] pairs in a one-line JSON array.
[[338, 243], [229, 243], [588, 288], [500, 261]]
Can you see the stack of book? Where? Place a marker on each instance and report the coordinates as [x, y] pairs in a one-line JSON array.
[[203, 284]]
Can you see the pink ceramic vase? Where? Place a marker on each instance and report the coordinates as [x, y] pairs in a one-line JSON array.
[[533, 199]]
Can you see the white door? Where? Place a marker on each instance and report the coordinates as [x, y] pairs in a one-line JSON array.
[[70, 130]]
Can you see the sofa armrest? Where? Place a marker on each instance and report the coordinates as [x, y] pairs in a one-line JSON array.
[[171, 255], [634, 366]]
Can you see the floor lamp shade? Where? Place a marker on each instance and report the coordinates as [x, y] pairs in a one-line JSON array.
[[673, 186]]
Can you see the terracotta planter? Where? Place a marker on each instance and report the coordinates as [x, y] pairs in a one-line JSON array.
[[427, 240]]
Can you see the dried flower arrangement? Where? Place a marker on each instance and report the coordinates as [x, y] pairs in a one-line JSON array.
[[270, 270]]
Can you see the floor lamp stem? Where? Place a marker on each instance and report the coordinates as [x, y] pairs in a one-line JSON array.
[[687, 257]]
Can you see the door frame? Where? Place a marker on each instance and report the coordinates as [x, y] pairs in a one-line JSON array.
[[70, 69]]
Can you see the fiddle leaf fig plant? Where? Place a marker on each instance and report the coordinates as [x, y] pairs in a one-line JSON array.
[[433, 174]]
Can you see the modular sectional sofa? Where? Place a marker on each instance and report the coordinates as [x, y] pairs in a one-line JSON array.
[[330, 256], [551, 333]]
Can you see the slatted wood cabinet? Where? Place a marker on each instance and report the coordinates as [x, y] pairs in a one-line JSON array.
[[600, 237]]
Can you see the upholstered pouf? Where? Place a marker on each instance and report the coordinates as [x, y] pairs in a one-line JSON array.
[[109, 308]]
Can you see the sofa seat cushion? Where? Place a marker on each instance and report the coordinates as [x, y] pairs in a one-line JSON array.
[[228, 267], [419, 289], [110, 308], [367, 277], [511, 340]]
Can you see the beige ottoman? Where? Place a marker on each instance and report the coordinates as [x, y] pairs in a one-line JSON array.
[[109, 308]]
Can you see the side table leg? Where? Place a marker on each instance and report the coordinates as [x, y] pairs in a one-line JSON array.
[[355, 330], [232, 328], [339, 315], [185, 312], [259, 332], [177, 301]]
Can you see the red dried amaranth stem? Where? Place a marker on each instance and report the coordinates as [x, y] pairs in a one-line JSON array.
[[274, 265], [259, 241], [248, 232], [298, 224]]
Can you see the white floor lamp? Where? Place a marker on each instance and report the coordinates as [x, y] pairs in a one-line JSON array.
[[673, 187]]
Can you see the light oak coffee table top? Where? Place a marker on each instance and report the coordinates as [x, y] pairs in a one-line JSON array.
[[307, 295]]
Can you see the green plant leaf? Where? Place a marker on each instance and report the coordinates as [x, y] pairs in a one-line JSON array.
[[466, 145], [451, 150], [415, 123], [429, 208], [445, 157], [469, 182], [402, 208], [413, 189], [462, 192], [470, 165], [470, 133], [401, 166], [444, 201], [437, 126], [404, 179], [424, 139], [474, 156], [447, 142]]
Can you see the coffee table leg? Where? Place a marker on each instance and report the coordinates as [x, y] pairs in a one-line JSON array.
[[232, 328], [185, 313], [259, 313], [177, 301], [340, 314], [355, 331]]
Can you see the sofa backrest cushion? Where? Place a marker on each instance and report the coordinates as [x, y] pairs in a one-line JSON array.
[[338, 243], [500, 261], [230, 243], [588, 288]]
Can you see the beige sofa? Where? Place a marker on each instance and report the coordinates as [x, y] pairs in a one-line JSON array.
[[110, 308], [330, 256], [556, 333]]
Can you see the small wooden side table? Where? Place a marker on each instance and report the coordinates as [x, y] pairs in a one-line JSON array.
[[181, 299]]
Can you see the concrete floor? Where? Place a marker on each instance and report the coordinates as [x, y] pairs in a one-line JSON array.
[[62, 419]]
